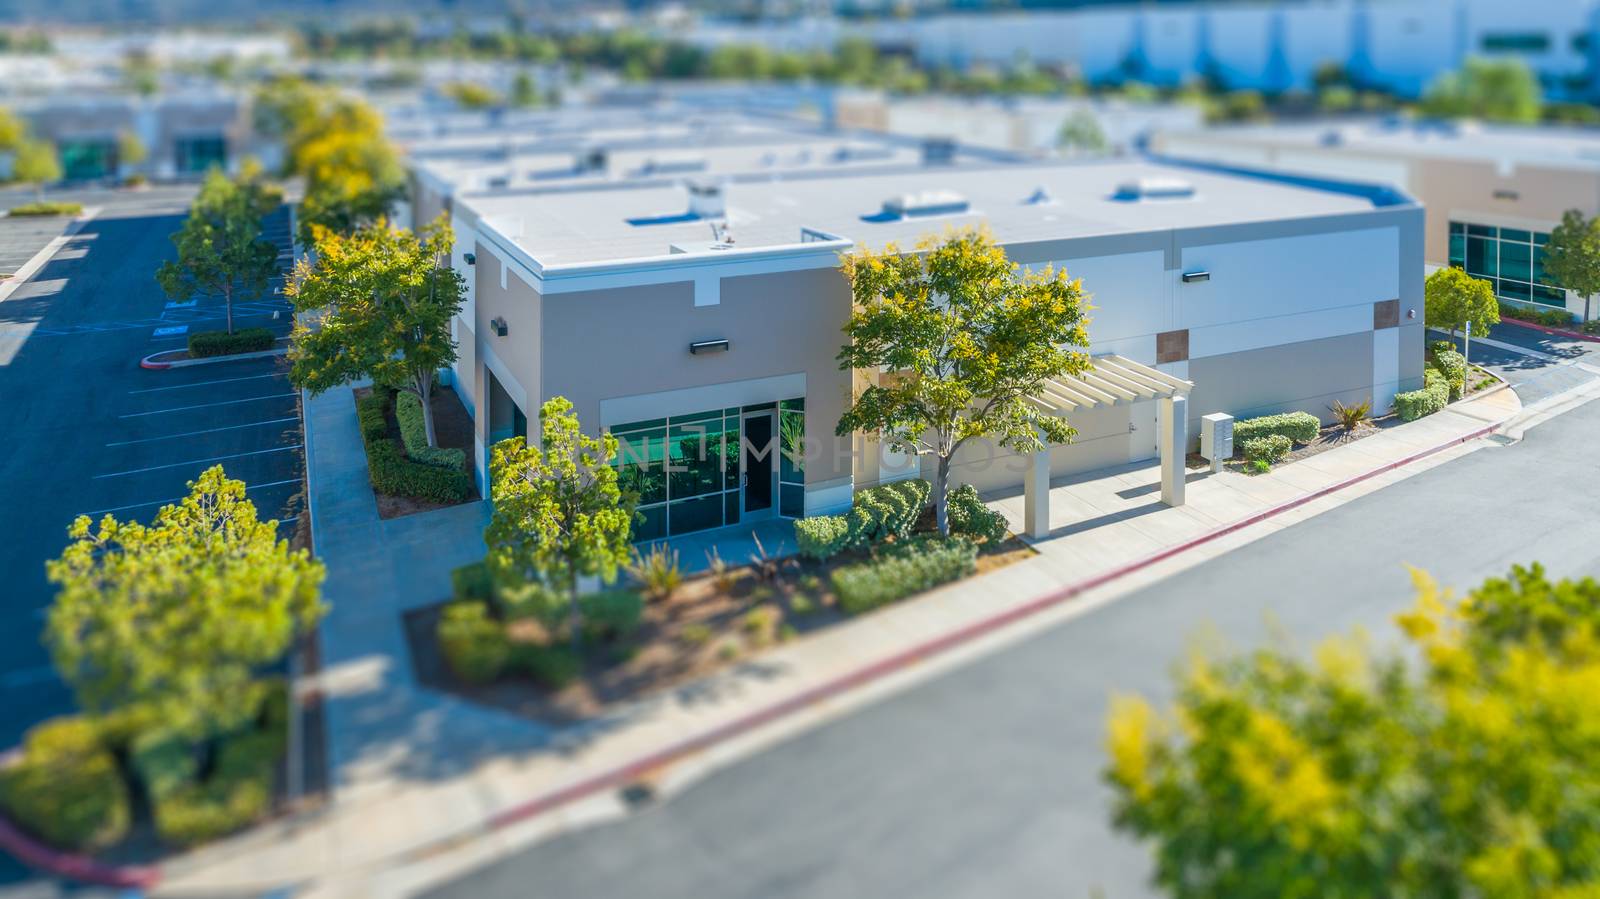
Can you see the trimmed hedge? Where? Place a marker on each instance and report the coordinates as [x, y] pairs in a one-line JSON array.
[[238, 793], [552, 666], [920, 565], [475, 645], [46, 207], [221, 343], [1453, 366], [414, 434], [1434, 395], [66, 790], [391, 472], [1300, 427], [887, 510], [969, 516], [1269, 449], [1550, 318]]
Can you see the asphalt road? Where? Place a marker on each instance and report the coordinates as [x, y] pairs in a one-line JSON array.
[[985, 782], [89, 431], [1534, 377]]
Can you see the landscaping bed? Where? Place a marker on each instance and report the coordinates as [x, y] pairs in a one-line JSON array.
[[641, 639], [45, 208], [402, 485]]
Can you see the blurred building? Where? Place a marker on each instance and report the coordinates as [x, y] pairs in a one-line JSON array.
[[182, 133]]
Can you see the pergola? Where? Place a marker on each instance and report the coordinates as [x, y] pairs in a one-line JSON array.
[[1114, 380]]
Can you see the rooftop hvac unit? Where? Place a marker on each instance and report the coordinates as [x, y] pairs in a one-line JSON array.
[[938, 150], [926, 203], [706, 200], [1154, 189]]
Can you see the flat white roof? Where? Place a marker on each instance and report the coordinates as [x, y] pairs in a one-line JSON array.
[[1019, 203], [1563, 146]]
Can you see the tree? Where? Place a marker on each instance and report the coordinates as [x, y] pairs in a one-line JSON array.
[[966, 341], [384, 299], [352, 172], [13, 130], [1452, 298], [1469, 772], [1572, 257], [1081, 133], [559, 513], [471, 95], [36, 163], [524, 92], [178, 617], [1503, 90], [130, 149], [220, 247]]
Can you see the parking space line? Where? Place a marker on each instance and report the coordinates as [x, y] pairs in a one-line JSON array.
[[276, 449], [253, 424], [250, 399], [275, 374], [162, 502]]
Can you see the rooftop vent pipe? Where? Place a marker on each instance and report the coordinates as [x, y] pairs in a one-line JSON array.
[[938, 150]]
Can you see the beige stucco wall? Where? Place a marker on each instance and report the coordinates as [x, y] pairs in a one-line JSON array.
[[1466, 190]]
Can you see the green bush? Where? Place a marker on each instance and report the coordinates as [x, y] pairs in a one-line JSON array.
[[221, 343], [474, 644], [552, 666], [970, 517], [472, 581], [531, 599], [1300, 427], [391, 472], [238, 793], [611, 614], [820, 537], [1269, 449], [887, 510], [66, 789], [913, 567], [1550, 318], [46, 207], [1434, 395], [163, 762], [1453, 366], [414, 434]]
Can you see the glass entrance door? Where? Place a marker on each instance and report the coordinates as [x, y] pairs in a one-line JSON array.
[[758, 456]]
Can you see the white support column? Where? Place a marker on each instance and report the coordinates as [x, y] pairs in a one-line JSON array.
[[1173, 440], [1036, 496]]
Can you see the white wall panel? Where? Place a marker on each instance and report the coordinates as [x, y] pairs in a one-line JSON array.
[[1236, 337], [1288, 275]]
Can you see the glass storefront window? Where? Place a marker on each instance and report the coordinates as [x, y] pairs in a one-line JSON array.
[[1509, 258]]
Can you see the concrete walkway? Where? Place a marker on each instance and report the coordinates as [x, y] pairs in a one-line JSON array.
[[427, 787]]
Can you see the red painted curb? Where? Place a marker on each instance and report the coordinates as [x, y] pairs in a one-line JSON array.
[[632, 771], [74, 867], [1575, 335], [147, 362]]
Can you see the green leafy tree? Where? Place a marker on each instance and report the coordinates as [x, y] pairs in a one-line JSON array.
[[382, 300], [36, 163], [1572, 257], [524, 92], [13, 130], [559, 513], [131, 150], [1452, 298], [353, 175], [471, 95], [966, 341], [220, 248], [177, 618], [1081, 133], [1502, 90], [1468, 772]]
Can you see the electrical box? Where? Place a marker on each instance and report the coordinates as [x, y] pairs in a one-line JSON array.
[[1216, 438]]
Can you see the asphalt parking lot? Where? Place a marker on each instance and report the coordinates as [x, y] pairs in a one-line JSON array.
[[89, 431], [1537, 365]]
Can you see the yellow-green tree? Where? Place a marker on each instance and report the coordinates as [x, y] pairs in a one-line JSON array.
[[1572, 257], [220, 247], [968, 339], [471, 95], [36, 163], [179, 617], [12, 130], [1452, 298], [352, 172], [1468, 773], [1502, 90]]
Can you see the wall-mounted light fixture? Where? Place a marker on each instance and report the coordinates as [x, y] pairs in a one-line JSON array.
[[472, 258], [1411, 313], [498, 325], [701, 347], [1191, 277]]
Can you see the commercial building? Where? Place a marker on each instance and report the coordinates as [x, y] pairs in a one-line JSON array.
[[696, 320], [183, 134], [1492, 194]]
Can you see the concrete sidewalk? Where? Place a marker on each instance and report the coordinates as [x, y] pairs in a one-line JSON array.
[[426, 786]]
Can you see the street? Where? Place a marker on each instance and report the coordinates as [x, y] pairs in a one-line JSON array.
[[986, 782]]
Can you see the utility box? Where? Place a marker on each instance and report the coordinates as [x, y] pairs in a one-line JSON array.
[[1216, 438]]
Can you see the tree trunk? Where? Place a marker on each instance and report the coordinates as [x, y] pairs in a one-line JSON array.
[[941, 496], [1585, 309], [425, 393], [227, 303]]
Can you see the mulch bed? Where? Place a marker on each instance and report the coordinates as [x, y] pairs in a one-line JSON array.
[[453, 428], [700, 629]]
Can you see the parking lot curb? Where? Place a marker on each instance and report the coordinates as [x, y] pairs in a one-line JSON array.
[[154, 364], [78, 868], [1563, 332]]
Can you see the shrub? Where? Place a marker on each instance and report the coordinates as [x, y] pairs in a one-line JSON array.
[[388, 469], [1434, 395], [551, 665], [820, 537], [46, 207], [1269, 449], [970, 517], [66, 790], [1453, 366], [657, 570], [1258, 466], [800, 604], [760, 624], [238, 793], [531, 599], [611, 614], [472, 581], [916, 566], [1351, 417], [695, 634], [1441, 346], [1300, 427], [474, 644], [414, 434], [221, 343], [721, 572]]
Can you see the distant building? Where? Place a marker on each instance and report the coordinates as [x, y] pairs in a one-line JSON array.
[[183, 134]]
